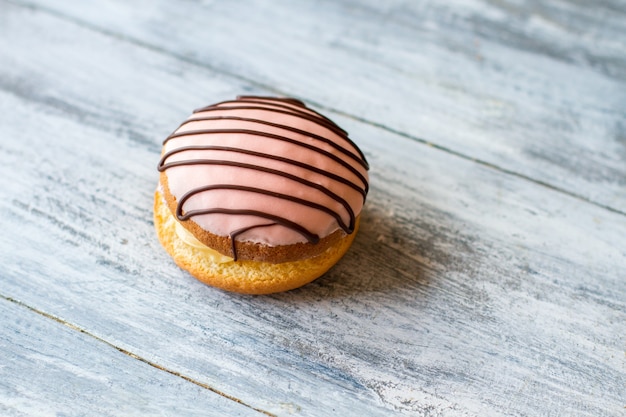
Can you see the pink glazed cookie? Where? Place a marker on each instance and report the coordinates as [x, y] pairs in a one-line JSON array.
[[259, 194]]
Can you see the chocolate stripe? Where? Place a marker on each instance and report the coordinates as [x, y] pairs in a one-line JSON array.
[[310, 117], [285, 99], [268, 101], [310, 237], [233, 235], [272, 136], [162, 165], [301, 110], [360, 158], [302, 181], [179, 209], [328, 123], [261, 100]]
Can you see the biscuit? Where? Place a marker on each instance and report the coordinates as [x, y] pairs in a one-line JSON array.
[[259, 194]]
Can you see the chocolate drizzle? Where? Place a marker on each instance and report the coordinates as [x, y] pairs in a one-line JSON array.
[[289, 107], [163, 166], [359, 158], [257, 133]]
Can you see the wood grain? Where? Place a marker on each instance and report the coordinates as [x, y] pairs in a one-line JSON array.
[[536, 91], [467, 292], [51, 370]]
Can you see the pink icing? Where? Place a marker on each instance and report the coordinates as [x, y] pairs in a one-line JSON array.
[[282, 113]]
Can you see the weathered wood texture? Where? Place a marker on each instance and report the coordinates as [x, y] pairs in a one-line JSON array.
[[535, 90], [53, 370], [468, 292]]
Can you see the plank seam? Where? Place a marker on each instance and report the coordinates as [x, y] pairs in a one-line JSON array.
[[477, 161], [133, 355], [189, 60]]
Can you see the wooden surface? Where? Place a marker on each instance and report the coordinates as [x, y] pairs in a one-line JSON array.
[[489, 274]]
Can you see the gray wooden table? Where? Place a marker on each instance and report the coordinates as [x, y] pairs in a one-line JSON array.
[[489, 275]]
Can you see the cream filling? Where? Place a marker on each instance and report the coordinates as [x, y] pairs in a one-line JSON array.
[[190, 240]]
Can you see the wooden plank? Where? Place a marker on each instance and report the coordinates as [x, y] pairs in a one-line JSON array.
[[50, 370], [534, 90], [467, 292], [589, 35]]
